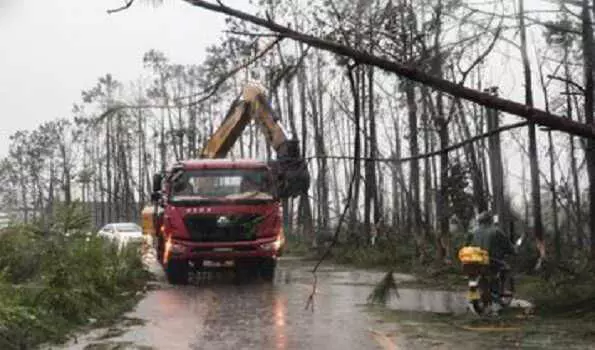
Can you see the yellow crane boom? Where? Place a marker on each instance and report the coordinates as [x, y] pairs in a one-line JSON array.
[[290, 168]]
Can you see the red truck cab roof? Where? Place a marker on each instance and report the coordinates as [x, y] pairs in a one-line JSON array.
[[192, 164]]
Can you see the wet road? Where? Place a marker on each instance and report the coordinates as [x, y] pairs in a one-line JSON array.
[[215, 312]]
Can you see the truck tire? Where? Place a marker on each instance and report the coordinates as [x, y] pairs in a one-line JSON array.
[[177, 271], [267, 269]]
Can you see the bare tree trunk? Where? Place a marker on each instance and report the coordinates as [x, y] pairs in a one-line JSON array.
[[396, 172], [479, 197], [442, 210], [557, 237], [108, 169], [428, 147], [321, 150], [356, 146], [590, 149], [573, 166], [414, 214], [371, 183], [496, 167], [304, 209], [533, 155], [553, 182]]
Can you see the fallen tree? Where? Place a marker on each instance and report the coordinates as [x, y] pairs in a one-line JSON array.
[[534, 115]]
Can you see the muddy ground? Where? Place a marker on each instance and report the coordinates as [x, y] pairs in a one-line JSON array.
[[217, 312]]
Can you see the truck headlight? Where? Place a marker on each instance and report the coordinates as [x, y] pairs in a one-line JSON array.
[[272, 246], [177, 248]]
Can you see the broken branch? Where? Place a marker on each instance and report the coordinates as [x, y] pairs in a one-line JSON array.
[[122, 8], [434, 153]]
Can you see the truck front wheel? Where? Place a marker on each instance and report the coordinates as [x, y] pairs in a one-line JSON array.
[[267, 269], [177, 271], [160, 248]]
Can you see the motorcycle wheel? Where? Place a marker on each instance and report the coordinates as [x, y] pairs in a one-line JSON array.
[[482, 305]]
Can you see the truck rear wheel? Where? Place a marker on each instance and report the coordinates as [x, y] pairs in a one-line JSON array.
[[177, 271], [267, 269]]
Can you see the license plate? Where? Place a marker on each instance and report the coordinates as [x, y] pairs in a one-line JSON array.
[[209, 263], [223, 249], [473, 295]]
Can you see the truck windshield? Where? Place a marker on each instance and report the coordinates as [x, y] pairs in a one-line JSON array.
[[221, 183]]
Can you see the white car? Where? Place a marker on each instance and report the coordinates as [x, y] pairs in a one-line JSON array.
[[122, 233]]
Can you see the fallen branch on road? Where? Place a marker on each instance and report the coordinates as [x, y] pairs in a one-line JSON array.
[[310, 302]]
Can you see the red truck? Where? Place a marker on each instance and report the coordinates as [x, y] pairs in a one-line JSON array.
[[214, 212]]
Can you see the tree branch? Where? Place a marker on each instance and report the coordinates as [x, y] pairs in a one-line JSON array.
[[210, 91], [434, 153], [252, 34], [482, 56], [122, 8], [564, 80], [532, 114]]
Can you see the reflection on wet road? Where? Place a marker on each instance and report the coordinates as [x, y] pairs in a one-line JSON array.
[[217, 313]]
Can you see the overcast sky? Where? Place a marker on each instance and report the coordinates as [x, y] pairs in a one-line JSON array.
[[50, 50]]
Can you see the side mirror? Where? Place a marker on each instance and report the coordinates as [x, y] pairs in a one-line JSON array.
[[157, 179], [155, 196]]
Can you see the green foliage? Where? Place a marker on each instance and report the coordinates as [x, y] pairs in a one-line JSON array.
[[52, 283], [71, 218]]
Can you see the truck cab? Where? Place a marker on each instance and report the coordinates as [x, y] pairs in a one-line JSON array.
[[217, 213]]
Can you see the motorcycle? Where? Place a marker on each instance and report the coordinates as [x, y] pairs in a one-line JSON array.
[[490, 286]]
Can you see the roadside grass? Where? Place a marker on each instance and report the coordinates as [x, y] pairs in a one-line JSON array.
[[56, 279]]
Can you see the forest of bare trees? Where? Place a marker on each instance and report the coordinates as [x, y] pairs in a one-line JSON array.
[[413, 162]]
